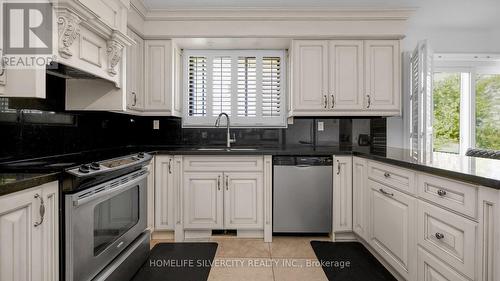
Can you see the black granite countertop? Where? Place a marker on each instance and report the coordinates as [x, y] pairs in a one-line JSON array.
[[19, 175], [13, 182]]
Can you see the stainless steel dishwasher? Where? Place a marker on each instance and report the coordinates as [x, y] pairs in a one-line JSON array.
[[302, 194]]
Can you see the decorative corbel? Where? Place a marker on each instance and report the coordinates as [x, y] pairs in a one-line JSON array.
[[115, 51], [69, 29]]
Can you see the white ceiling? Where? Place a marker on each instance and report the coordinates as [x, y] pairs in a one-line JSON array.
[[468, 14]]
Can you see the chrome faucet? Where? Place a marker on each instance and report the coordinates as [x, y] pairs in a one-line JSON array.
[[228, 124]]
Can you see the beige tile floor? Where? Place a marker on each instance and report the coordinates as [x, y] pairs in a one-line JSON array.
[[285, 259]]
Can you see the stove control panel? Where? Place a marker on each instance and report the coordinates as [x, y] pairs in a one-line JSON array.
[[109, 165]]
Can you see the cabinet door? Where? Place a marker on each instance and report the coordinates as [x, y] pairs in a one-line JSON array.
[[392, 227], [243, 200], [158, 64], [135, 73], [310, 76], [360, 197], [20, 241], [164, 193], [50, 228], [382, 75], [203, 205], [346, 75], [342, 193], [151, 195]]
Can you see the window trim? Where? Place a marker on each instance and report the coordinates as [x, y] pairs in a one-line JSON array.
[[259, 122], [467, 69]]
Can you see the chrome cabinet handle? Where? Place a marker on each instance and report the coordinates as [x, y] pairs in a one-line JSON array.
[[369, 100], [135, 99], [385, 192], [439, 236], [42, 210], [333, 100], [441, 192], [387, 175], [218, 182], [338, 167], [325, 101], [170, 166], [227, 182]]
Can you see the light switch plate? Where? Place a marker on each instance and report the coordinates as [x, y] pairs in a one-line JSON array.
[[156, 124], [321, 126]]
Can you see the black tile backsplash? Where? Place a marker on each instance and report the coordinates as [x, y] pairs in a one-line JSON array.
[[41, 127]]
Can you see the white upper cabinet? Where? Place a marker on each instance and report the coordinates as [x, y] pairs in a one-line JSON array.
[[382, 75], [162, 89], [310, 76], [345, 77], [135, 73]]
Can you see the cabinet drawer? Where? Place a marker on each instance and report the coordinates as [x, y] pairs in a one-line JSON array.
[[448, 236], [457, 196], [401, 179], [431, 268], [224, 163]]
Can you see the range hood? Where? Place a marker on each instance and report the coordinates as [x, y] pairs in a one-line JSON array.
[[68, 72]]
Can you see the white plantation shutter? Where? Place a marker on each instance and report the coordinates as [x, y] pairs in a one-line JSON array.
[[271, 86], [248, 85], [421, 105], [197, 87]]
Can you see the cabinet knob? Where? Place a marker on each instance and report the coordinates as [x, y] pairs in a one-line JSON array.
[[439, 235], [441, 192], [368, 101], [218, 182], [333, 100], [387, 175], [325, 101], [338, 167]]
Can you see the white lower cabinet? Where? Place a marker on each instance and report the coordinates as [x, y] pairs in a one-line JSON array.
[[243, 200], [342, 193], [448, 236], [164, 205], [29, 238], [223, 200], [392, 227], [222, 192], [360, 198], [431, 268], [203, 200]]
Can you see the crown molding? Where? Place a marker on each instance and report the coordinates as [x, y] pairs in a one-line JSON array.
[[139, 7], [275, 14]]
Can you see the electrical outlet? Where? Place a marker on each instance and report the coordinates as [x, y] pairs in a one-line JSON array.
[[321, 126], [156, 124]]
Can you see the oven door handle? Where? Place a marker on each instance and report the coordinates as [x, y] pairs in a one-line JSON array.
[[115, 190]]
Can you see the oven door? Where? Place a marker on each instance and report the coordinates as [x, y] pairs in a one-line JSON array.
[[102, 221]]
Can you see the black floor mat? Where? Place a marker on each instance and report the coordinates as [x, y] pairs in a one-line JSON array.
[[362, 266], [178, 262]]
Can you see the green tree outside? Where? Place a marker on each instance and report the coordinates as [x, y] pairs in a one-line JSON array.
[[446, 125]]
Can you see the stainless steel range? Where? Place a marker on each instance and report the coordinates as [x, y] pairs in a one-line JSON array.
[[106, 219]]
